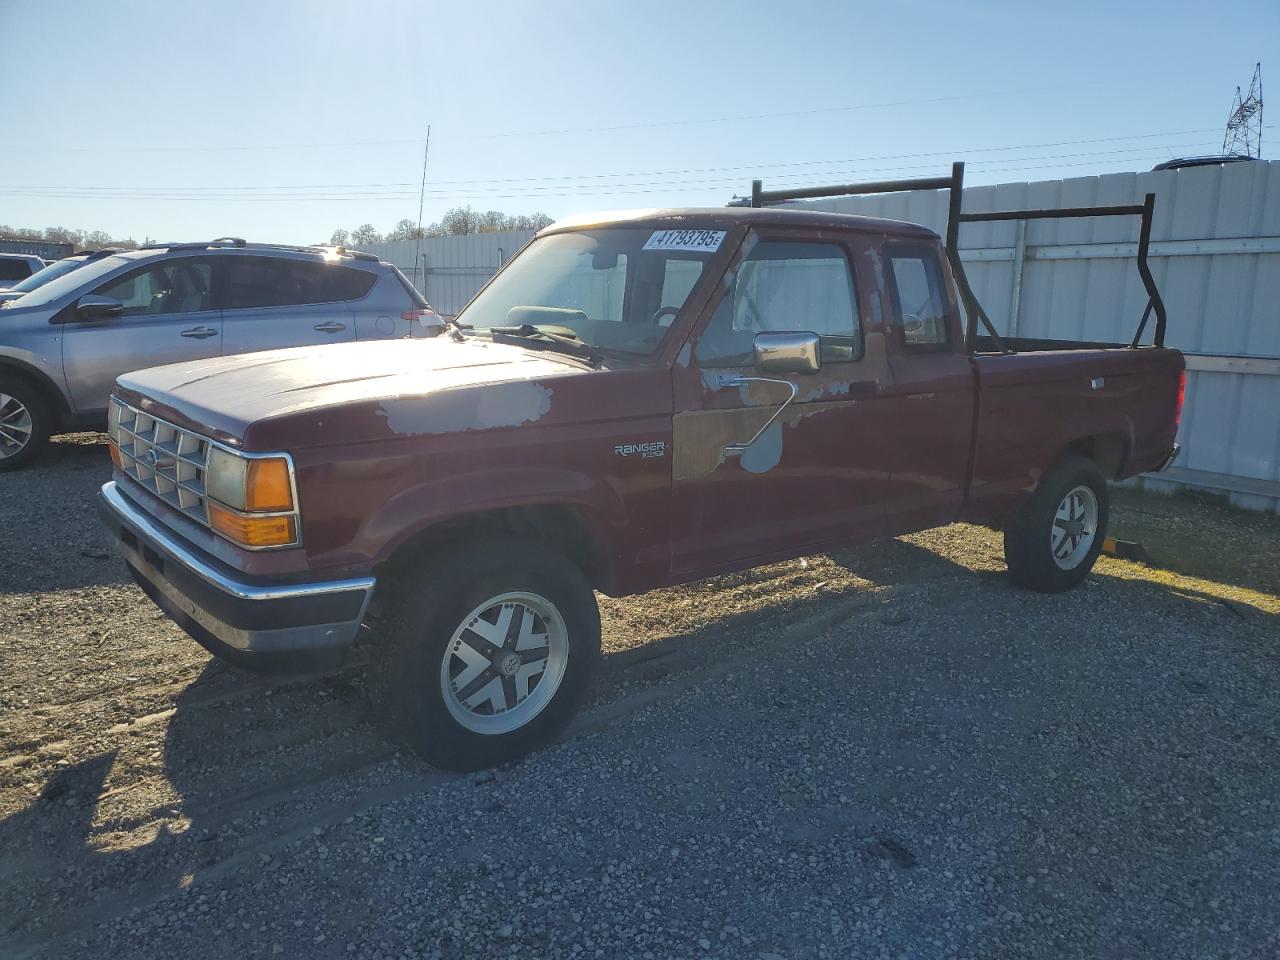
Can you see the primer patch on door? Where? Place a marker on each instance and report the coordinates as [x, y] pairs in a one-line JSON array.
[[697, 241]]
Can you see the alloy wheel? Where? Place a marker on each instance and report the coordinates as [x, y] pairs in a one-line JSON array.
[[504, 663], [1075, 525], [15, 426]]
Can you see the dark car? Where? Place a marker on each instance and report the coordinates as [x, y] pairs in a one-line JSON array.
[[51, 272]]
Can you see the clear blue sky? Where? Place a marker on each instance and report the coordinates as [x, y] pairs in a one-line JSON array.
[[282, 119]]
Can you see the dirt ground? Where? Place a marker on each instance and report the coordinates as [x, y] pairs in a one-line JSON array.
[[885, 752]]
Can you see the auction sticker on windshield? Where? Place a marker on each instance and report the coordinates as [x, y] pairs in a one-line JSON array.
[[699, 241]]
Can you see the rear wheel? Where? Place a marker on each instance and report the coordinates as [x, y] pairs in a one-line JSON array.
[[486, 654], [1054, 540], [25, 424]]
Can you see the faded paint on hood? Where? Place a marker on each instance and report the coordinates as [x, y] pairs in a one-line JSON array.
[[414, 386]]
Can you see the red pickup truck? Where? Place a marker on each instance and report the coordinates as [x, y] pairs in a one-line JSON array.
[[632, 402]]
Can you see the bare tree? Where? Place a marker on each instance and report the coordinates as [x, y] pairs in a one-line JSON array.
[[62, 235], [406, 229], [459, 222]]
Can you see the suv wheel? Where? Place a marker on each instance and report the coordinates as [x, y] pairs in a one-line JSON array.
[[25, 424], [487, 653], [1054, 540]]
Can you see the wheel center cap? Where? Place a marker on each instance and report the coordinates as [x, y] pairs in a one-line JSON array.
[[1075, 528], [508, 664]]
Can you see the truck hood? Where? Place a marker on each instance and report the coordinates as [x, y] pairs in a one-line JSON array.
[[409, 386]]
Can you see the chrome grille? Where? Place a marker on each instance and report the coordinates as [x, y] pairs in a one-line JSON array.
[[167, 460]]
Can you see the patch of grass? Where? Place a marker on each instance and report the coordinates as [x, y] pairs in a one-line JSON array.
[[1201, 536]]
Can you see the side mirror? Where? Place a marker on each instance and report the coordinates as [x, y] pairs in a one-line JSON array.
[[93, 307], [787, 352]]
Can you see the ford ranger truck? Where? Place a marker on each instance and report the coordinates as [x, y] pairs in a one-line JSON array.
[[632, 402]]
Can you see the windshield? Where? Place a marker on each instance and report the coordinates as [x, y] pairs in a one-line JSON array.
[[51, 272], [615, 288], [71, 281]]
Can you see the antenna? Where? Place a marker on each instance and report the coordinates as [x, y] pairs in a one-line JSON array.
[[417, 236], [1244, 127]]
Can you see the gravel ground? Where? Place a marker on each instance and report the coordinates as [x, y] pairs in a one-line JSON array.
[[888, 752]]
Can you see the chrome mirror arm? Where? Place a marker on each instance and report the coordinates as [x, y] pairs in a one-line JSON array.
[[734, 449]]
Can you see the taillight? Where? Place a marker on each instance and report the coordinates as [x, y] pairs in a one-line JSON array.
[[1182, 396]]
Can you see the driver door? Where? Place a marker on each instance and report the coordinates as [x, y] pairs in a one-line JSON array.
[[817, 475], [168, 316]]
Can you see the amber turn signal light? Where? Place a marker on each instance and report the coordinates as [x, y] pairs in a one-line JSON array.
[[252, 531], [267, 485], [115, 454]]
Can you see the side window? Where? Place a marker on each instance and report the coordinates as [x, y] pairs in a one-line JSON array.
[[344, 283], [786, 286], [11, 270], [271, 282], [919, 312], [175, 286]]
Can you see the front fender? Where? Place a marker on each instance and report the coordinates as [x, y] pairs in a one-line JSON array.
[[418, 508]]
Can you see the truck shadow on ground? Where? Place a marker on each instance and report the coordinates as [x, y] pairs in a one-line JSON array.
[[53, 540], [236, 747]]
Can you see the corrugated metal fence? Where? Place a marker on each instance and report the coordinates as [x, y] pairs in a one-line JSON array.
[[1215, 254], [449, 270]]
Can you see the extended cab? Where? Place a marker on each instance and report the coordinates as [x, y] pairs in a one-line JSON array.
[[632, 402]]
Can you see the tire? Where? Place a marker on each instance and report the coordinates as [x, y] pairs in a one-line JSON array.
[[26, 422], [487, 614], [1055, 538]]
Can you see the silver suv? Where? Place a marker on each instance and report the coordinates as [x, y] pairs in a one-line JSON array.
[[63, 344]]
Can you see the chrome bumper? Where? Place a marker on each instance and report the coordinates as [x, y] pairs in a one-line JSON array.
[[280, 628], [1173, 455]]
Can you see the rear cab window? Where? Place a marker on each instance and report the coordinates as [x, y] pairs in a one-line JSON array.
[[919, 300]]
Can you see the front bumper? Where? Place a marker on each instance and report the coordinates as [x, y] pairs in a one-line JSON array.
[[288, 628]]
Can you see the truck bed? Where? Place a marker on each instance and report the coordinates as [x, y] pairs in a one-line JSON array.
[[1108, 402]]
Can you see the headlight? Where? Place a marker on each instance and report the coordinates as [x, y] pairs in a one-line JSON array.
[[224, 477], [251, 500]]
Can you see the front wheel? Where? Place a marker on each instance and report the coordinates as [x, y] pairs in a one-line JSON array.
[[1053, 542], [487, 653], [25, 424]]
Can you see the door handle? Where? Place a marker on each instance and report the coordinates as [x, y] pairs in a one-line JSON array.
[[333, 326], [200, 333]]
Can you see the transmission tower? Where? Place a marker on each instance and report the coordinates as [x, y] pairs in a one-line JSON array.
[[1244, 127]]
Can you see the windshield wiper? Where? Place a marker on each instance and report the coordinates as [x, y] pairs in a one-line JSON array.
[[527, 335]]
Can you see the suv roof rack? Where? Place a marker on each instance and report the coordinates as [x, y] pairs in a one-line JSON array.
[[955, 185], [196, 245], [240, 243], [100, 252]]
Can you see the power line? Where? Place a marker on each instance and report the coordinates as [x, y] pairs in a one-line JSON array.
[[98, 149], [675, 172], [624, 189], [796, 113]]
